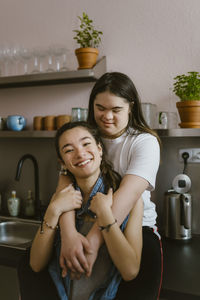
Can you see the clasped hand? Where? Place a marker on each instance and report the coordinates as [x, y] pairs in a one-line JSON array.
[[78, 253]]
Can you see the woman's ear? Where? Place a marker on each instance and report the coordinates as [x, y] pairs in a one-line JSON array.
[[62, 167], [100, 149]]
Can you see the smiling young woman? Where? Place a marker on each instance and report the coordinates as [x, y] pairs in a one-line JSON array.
[[80, 150], [111, 114]]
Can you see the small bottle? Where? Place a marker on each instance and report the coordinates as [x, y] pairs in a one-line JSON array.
[[29, 209], [13, 204]]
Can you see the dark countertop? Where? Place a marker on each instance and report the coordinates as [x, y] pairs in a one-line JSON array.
[[181, 272]]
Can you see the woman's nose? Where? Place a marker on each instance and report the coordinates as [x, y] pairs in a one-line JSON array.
[[80, 152], [108, 115]]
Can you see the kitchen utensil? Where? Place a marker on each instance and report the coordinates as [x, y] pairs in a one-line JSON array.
[[61, 120], [2, 123], [167, 120], [181, 183], [38, 122], [178, 209], [149, 112], [15, 122], [178, 215], [49, 123], [76, 114]]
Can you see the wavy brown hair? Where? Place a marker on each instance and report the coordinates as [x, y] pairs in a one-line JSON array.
[[111, 178]]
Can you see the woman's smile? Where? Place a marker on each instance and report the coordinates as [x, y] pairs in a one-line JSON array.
[[80, 152], [83, 163]]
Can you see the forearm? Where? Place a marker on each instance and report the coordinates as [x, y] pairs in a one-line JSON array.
[[67, 224], [42, 245], [125, 198], [122, 254], [95, 237], [67, 220]]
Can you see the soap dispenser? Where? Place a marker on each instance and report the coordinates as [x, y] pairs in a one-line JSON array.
[[29, 209], [13, 204]]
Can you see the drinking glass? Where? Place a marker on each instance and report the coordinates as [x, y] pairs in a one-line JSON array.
[[36, 61], [26, 55], [59, 52], [50, 55], [5, 60], [15, 58], [63, 59], [38, 54]]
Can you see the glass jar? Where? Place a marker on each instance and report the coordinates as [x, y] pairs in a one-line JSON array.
[[76, 114]]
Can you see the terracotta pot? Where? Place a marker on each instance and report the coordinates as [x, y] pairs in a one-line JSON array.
[[189, 112], [86, 57]]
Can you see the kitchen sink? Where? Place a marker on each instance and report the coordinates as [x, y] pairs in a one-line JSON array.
[[17, 234]]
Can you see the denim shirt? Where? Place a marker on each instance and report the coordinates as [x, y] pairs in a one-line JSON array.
[[108, 289]]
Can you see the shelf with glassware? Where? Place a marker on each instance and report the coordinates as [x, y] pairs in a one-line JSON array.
[[163, 133], [51, 78]]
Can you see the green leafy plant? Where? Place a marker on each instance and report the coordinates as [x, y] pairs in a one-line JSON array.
[[87, 35], [187, 87]]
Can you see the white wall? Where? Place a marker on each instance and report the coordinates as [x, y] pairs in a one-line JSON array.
[[150, 40]]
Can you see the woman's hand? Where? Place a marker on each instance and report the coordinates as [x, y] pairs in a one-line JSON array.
[[101, 202], [66, 200]]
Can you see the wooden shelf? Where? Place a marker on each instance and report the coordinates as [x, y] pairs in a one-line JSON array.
[[179, 132], [79, 76], [163, 133], [27, 134]]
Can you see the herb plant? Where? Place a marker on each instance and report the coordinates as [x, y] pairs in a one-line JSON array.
[[187, 87], [87, 35]]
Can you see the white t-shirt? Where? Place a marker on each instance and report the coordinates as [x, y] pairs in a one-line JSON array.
[[137, 154]]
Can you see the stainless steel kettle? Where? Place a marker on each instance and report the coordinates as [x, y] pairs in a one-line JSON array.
[[178, 209], [178, 215]]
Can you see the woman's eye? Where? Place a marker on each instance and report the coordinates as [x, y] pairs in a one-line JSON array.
[[116, 110], [86, 144], [100, 108], [68, 150]]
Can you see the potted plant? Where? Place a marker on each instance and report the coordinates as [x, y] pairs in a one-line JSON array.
[[187, 88], [89, 39]]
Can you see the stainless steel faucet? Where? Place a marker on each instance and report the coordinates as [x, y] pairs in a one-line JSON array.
[[36, 177]]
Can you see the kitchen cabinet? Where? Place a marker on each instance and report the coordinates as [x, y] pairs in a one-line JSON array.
[[9, 259], [52, 78], [9, 283]]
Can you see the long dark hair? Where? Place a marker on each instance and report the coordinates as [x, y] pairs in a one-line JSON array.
[[111, 178], [122, 86]]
